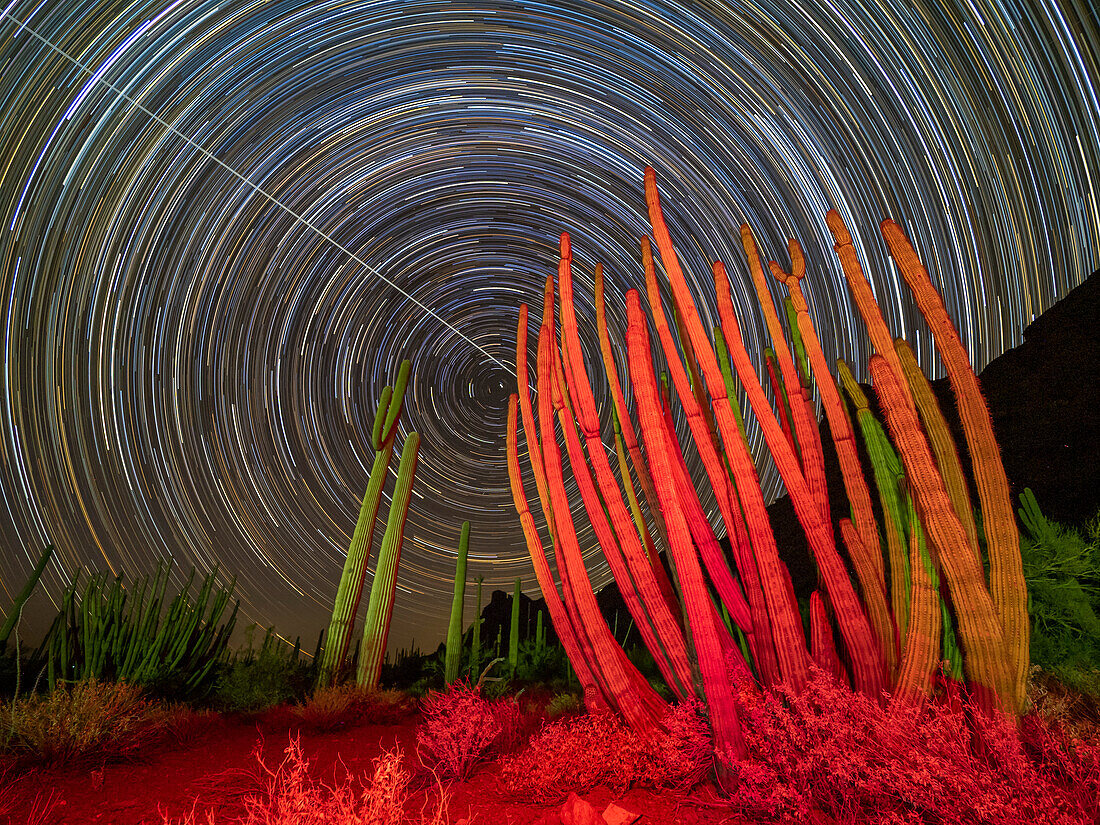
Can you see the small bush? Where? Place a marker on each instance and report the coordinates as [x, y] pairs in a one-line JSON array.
[[88, 722], [580, 753], [255, 683], [460, 726], [291, 796], [332, 708], [829, 749]]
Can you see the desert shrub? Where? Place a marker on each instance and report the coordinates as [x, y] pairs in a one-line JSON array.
[[254, 681], [292, 796], [562, 704], [332, 708], [462, 728], [832, 750], [88, 722], [583, 752], [1062, 570]]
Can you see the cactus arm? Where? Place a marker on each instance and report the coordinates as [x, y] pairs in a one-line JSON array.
[[840, 427], [627, 557], [922, 640], [376, 627], [822, 645], [868, 663], [803, 417], [513, 630]]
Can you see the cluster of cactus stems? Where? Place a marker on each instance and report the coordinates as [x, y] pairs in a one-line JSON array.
[[350, 589], [106, 630], [896, 600]]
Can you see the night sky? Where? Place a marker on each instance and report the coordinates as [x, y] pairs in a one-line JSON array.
[[224, 224]]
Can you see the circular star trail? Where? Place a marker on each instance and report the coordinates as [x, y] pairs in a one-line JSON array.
[[223, 226]]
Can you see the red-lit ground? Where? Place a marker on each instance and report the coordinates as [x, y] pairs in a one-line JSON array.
[[218, 769]]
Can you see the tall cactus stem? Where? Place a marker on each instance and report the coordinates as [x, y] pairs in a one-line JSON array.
[[376, 627], [452, 664]]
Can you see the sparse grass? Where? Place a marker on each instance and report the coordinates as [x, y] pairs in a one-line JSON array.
[[93, 722], [291, 796], [340, 706]]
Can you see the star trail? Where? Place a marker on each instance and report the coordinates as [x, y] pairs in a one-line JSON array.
[[224, 225]]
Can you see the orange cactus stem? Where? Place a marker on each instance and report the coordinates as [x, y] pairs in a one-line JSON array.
[[943, 445], [782, 403], [864, 548], [874, 594], [979, 627], [1006, 573], [728, 743], [803, 418], [821, 640], [715, 469], [630, 694], [593, 698], [920, 657], [881, 338], [867, 659], [889, 475], [629, 562], [622, 415], [855, 484], [534, 452]]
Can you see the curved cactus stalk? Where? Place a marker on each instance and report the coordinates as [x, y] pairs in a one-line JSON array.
[[350, 589], [922, 640], [729, 745], [1006, 571], [979, 627], [594, 700], [630, 693], [452, 664], [939, 437], [376, 628], [821, 640], [888, 477], [629, 562]]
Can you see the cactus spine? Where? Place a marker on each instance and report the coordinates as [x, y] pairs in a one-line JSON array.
[[453, 662], [350, 588], [376, 628]]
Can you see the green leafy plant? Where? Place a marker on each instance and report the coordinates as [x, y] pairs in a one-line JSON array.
[[253, 680], [1062, 568]]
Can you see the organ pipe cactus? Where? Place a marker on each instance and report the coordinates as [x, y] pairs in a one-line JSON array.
[[376, 628], [882, 613], [350, 589], [452, 663]]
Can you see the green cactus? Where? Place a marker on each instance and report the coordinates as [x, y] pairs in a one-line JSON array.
[[377, 625], [453, 662], [513, 636], [475, 642], [350, 588]]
